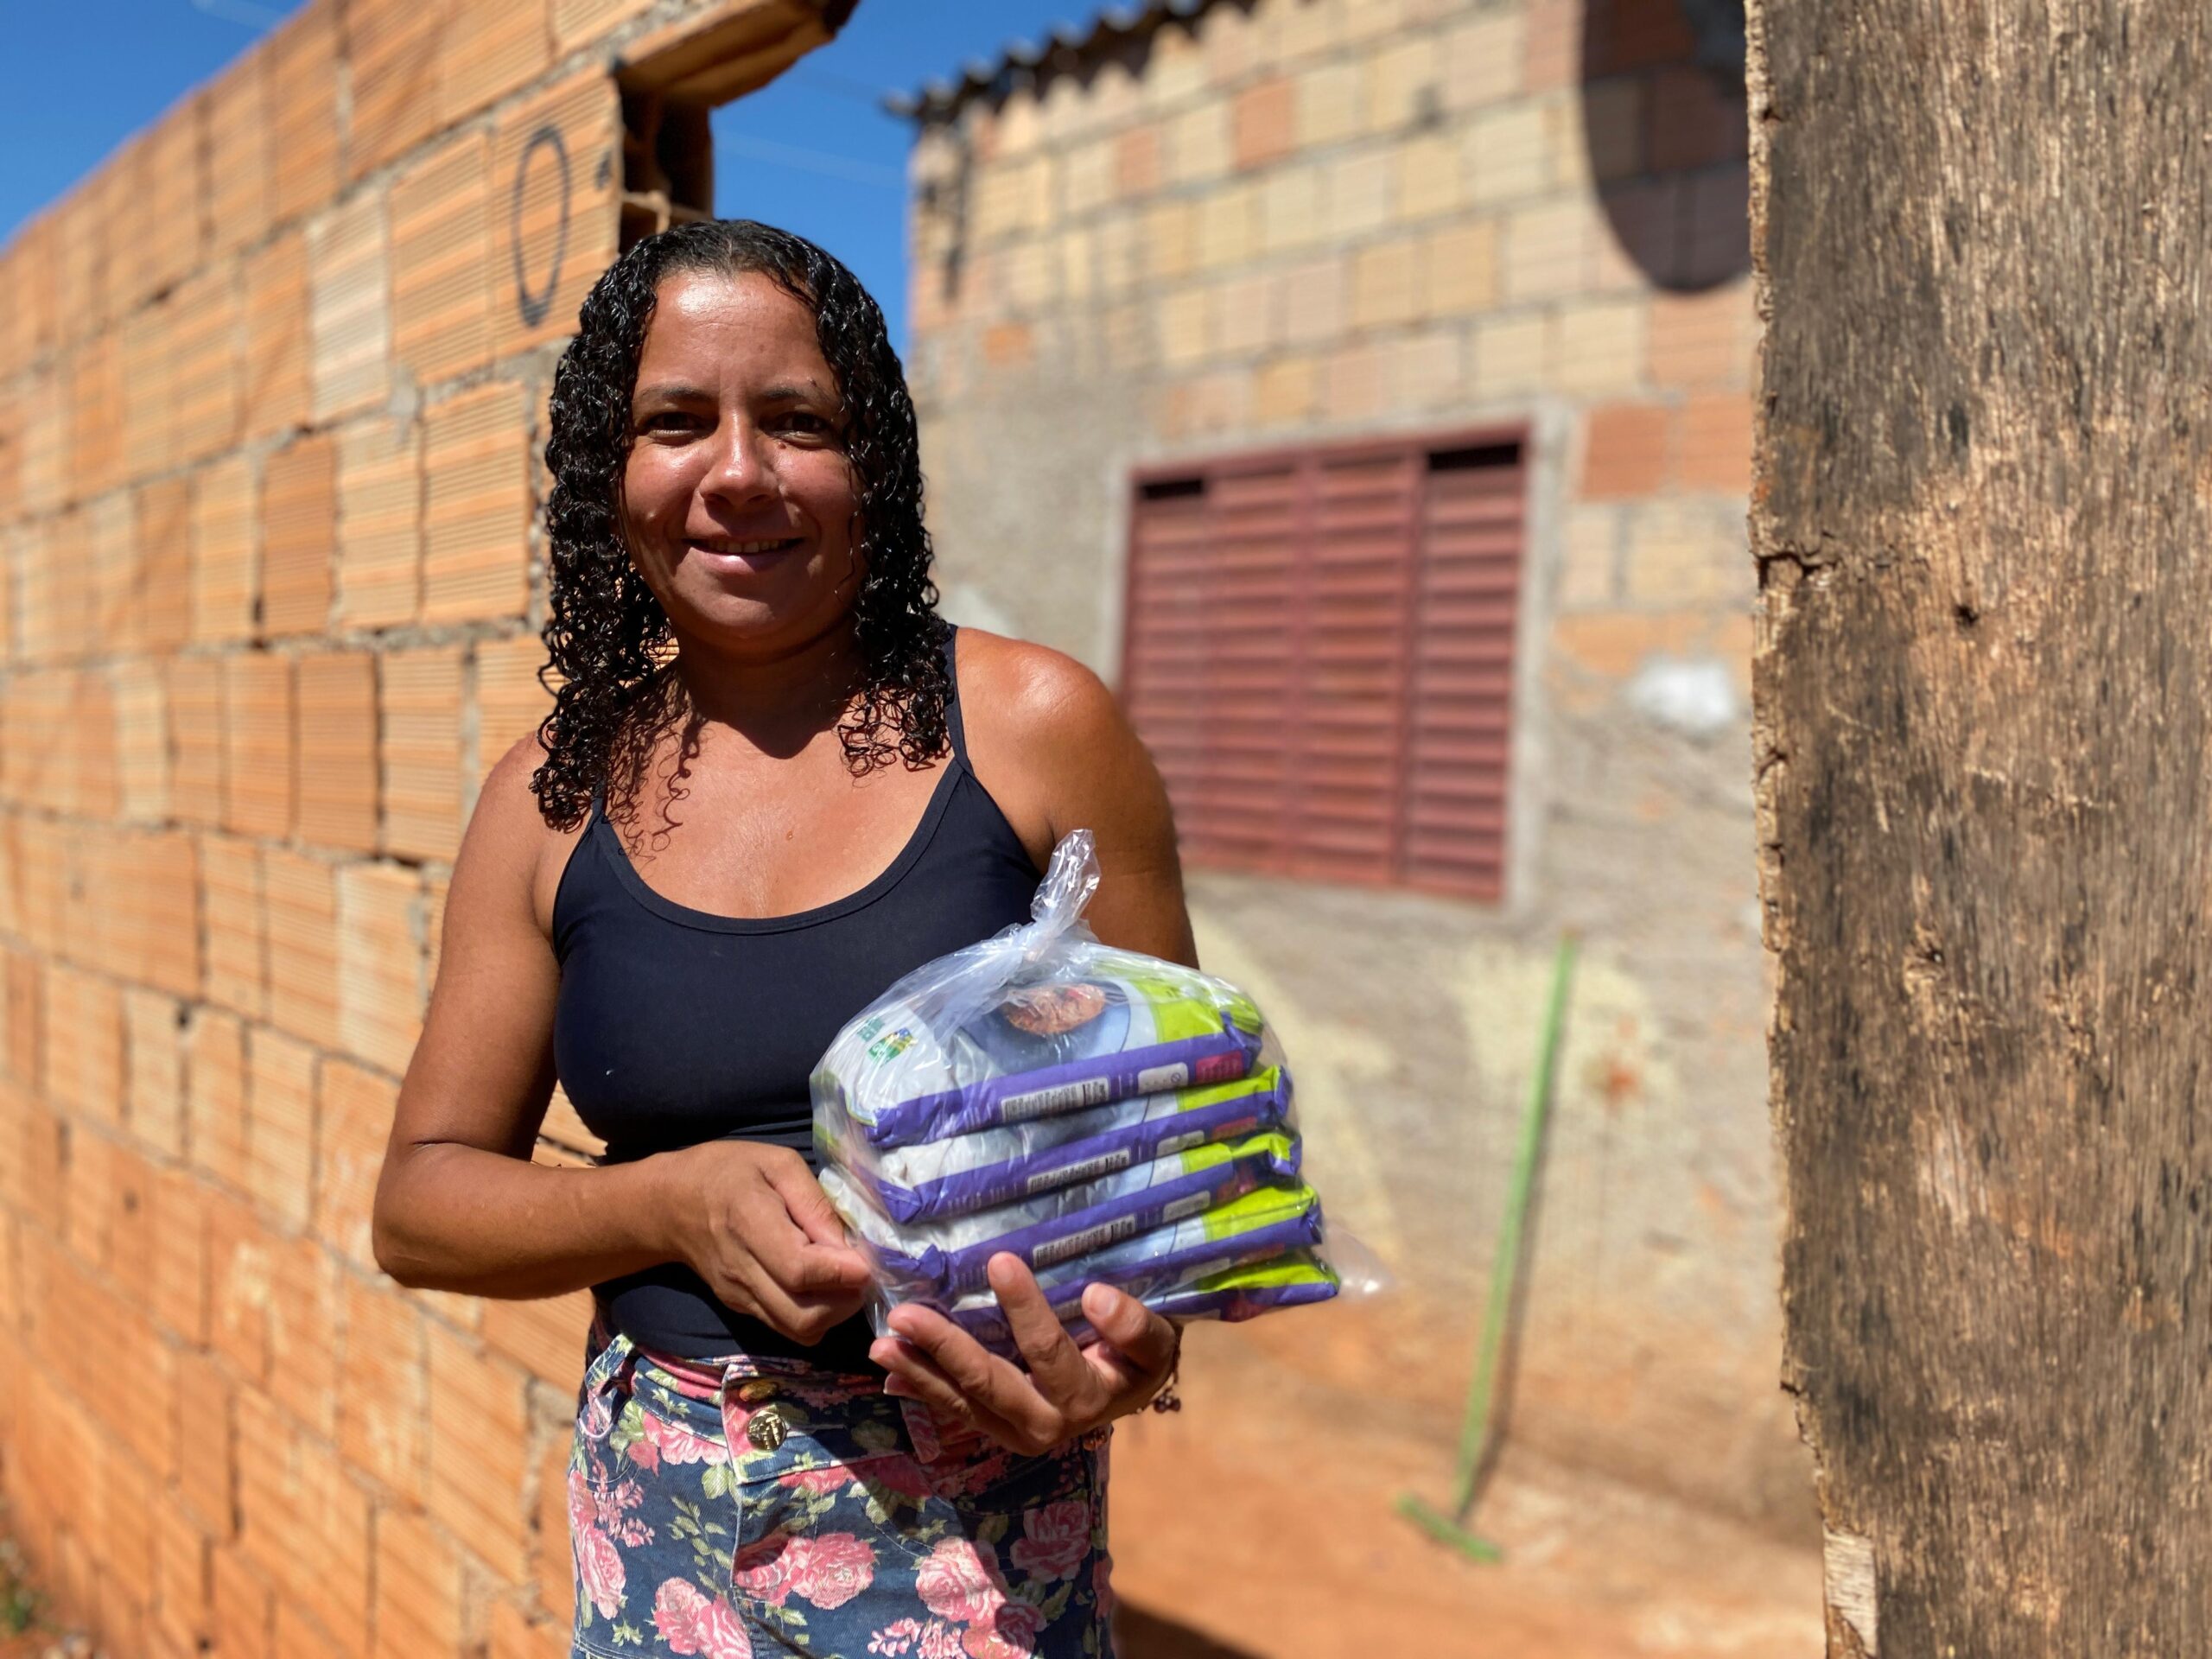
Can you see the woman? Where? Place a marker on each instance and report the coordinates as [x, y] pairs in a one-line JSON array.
[[773, 782]]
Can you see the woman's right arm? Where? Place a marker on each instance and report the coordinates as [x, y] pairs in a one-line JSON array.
[[460, 1207]]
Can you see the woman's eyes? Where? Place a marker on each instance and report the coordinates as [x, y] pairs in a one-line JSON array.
[[797, 420]]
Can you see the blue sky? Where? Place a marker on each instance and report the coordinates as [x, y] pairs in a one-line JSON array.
[[813, 152]]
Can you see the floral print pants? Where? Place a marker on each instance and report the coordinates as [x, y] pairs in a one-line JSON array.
[[758, 1506]]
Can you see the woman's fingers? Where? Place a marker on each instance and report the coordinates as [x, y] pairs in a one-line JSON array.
[[916, 1377], [1143, 1337], [991, 1384], [1061, 1375], [807, 1204]]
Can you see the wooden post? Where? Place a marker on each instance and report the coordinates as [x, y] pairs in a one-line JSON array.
[[1985, 662]]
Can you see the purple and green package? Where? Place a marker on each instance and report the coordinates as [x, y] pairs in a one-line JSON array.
[[1261, 1226], [1039, 1020], [1105, 1116], [978, 1170], [1295, 1279], [944, 1258], [1126, 1027]]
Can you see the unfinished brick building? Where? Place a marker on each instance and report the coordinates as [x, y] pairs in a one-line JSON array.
[[271, 384], [1364, 387]]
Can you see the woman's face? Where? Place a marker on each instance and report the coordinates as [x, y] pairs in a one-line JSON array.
[[738, 496]]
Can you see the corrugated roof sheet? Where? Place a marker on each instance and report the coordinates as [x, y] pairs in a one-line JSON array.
[[1062, 50]]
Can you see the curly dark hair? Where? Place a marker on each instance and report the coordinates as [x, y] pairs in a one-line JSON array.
[[610, 644]]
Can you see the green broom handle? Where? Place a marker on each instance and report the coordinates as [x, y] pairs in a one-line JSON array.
[[1505, 1267]]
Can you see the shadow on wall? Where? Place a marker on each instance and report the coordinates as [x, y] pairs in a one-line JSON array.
[[1664, 118], [1139, 1635]]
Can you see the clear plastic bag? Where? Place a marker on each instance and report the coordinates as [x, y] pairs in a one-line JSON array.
[[1105, 1116]]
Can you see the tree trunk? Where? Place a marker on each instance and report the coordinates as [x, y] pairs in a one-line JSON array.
[[1986, 622]]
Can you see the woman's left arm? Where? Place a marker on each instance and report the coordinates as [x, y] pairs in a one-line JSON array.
[[1081, 766]]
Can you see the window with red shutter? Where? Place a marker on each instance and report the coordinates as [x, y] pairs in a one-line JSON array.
[[1319, 654]]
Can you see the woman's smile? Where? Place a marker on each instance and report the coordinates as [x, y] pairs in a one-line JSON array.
[[730, 554]]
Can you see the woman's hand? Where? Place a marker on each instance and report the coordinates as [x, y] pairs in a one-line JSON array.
[[1067, 1391], [755, 1224]]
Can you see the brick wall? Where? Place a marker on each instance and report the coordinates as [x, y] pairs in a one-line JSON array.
[[1300, 221], [272, 384]]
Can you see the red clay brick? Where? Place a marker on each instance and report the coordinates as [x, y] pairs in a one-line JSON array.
[[141, 750], [204, 333], [1264, 119], [131, 1241], [92, 377], [241, 1610], [151, 900], [422, 751], [1717, 443], [379, 522], [302, 127], [552, 247], [241, 1267], [162, 617], [578, 22], [546, 1338], [441, 252], [490, 51], [394, 47], [303, 1376], [237, 153], [91, 1195], [337, 787], [237, 974], [215, 1097], [169, 240], [356, 1107], [153, 1031], [26, 1017], [510, 702], [84, 1044], [279, 391], [479, 1451], [1137, 163], [178, 1287], [180, 1586], [1627, 451], [204, 1458], [349, 313], [280, 1125], [516, 1635], [151, 386], [258, 755], [194, 692], [331, 1549], [303, 909], [379, 963], [384, 1409], [223, 559], [554, 1566], [299, 513], [419, 1594], [476, 507]]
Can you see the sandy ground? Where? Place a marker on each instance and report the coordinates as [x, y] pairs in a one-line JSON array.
[[1233, 1540]]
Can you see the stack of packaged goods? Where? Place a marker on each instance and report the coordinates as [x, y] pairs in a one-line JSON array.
[[1104, 1116]]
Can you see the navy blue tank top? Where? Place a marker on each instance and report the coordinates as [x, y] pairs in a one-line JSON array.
[[676, 1026]]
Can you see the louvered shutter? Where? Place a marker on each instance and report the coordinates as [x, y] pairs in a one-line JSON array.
[[1460, 701], [1318, 654]]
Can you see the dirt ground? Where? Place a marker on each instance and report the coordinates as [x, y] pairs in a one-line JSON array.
[[1232, 1540]]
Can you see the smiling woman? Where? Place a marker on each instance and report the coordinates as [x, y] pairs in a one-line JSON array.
[[742, 627]]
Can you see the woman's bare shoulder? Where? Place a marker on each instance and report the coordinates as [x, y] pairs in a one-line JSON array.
[[1025, 690], [508, 846]]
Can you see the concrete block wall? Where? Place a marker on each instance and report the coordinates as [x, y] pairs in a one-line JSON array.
[[272, 390], [1298, 221]]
